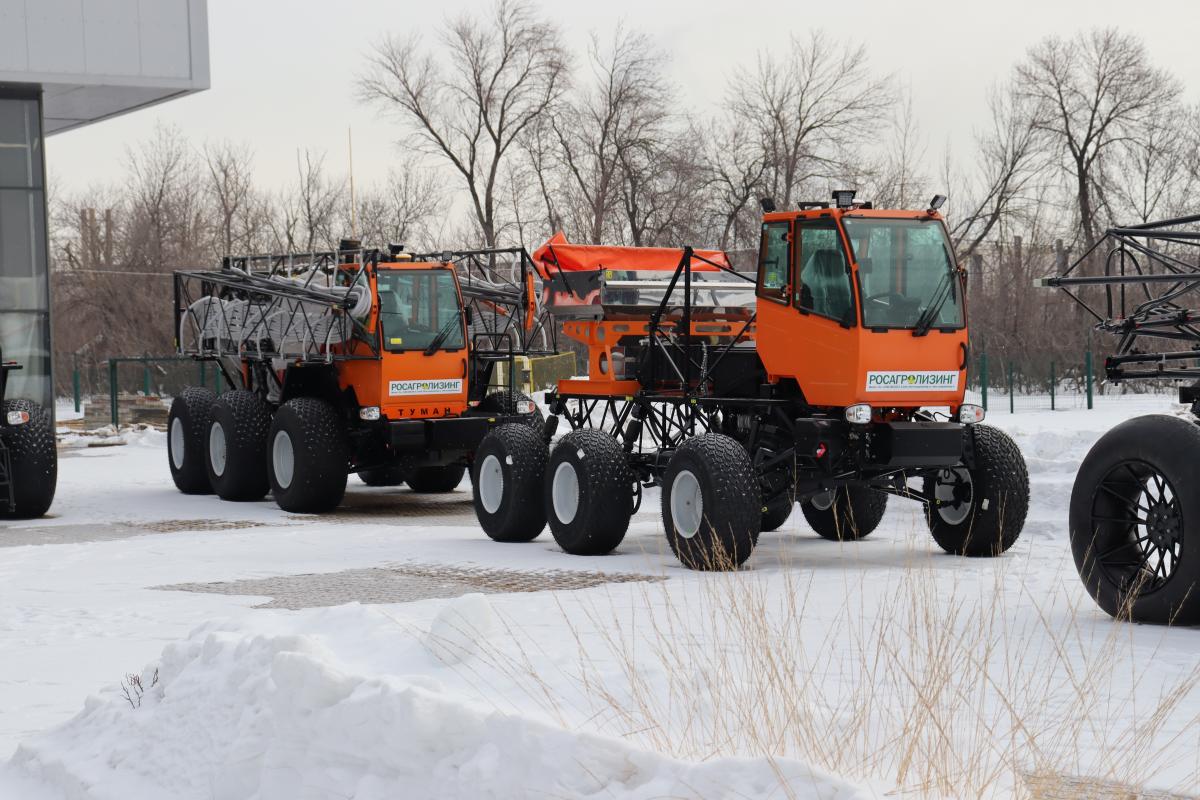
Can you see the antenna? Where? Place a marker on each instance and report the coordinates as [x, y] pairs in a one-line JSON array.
[[353, 207]]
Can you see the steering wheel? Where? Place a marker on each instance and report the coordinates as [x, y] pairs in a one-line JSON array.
[[879, 297]]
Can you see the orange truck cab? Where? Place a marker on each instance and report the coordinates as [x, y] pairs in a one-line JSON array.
[[856, 305]]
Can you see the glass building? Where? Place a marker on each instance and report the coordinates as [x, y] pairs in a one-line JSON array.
[[65, 64], [24, 271]]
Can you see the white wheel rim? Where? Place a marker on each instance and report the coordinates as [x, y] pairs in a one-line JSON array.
[[216, 449], [943, 491], [283, 459], [822, 501], [564, 492], [491, 484], [176, 443], [687, 504]]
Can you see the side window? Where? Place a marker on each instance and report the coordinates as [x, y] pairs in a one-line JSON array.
[[773, 262], [824, 285]]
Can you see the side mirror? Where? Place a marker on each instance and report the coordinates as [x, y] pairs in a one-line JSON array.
[[468, 314]]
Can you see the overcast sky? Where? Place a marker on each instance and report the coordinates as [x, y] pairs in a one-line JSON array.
[[283, 71]]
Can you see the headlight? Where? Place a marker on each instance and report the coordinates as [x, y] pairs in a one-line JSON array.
[[526, 406], [17, 417], [969, 414], [858, 414], [369, 414]]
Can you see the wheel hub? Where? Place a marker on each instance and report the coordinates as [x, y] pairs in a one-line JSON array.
[[687, 504], [216, 448], [1163, 524], [283, 459], [564, 492], [491, 484], [1139, 526], [953, 495], [177, 443]]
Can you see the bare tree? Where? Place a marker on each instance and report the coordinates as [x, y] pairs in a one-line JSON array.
[[304, 216], [1010, 161], [624, 108], [498, 76], [806, 107], [734, 166], [164, 225], [1153, 175], [1090, 93], [540, 147], [230, 187], [660, 181], [403, 209]]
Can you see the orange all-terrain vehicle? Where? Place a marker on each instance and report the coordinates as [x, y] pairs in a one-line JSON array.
[[352, 361], [834, 377]]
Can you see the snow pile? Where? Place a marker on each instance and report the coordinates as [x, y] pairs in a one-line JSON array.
[[238, 715]]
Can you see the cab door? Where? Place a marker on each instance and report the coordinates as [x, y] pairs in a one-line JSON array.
[[774, 291], [809, 334]]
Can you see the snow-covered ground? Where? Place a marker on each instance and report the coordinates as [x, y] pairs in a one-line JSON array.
[[883, 662]]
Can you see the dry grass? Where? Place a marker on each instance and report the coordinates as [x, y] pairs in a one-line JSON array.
[[940, 683]]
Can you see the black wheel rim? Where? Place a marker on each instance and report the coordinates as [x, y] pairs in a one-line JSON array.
[[1137, 527]]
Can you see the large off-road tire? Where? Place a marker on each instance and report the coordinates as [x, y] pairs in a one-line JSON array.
[[393, 474], [846, 514], [979, 510], [506, 483], [33, 458], [187, 429], [307, 456], [436, 480], [236, 446], [503, 402], [711, 503], [589, 493], [777, 511], [1135, 521]]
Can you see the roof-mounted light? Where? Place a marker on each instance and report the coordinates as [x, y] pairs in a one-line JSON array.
[[844, 198], [937, 202]]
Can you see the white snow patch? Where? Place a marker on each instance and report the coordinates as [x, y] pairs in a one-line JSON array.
[[274, 718], [460, 628]]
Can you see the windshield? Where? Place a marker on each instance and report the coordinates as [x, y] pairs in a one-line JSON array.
[[904, 268], [415, 306]]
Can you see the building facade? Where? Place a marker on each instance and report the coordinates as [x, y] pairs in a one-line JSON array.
[[65, 64]]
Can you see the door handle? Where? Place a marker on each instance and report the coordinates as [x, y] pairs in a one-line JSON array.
[[963, 345]]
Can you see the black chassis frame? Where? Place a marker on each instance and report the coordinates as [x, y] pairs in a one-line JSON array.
[[1148, 287], [7, 478], [492, 300], [795, 449]]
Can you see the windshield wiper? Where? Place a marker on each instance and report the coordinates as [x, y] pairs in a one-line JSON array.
[[443, 333], [941, 294]]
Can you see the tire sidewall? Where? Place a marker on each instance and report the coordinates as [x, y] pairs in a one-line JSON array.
[[995, 522], [719, 544], [519, 516], [32, 450], [192, 408], [246, 424], [855, 513], [319, 457], [1169, 444], [605, 493]]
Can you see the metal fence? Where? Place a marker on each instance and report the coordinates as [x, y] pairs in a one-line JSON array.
[[136, 388], [1041, 382]]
